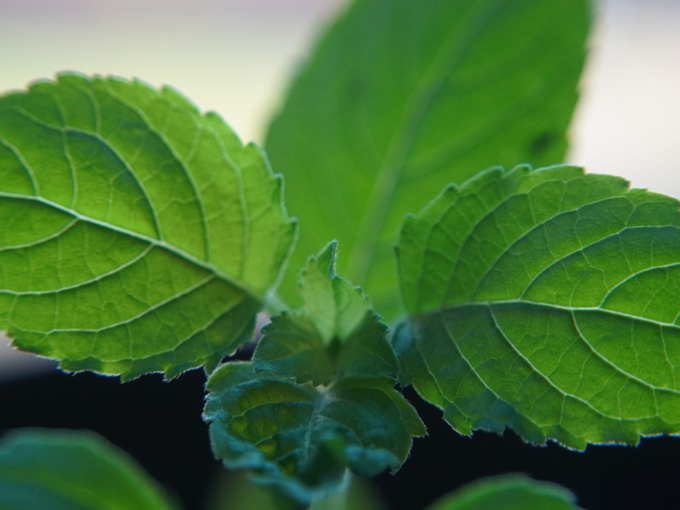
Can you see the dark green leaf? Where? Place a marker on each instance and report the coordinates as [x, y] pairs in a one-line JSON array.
[[547, 301], [512, 492], [299, 439], [67, 470], [402, 97], [336, 334], [138, 235]]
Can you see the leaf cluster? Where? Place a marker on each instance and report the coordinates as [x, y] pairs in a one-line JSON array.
[[140, 235]]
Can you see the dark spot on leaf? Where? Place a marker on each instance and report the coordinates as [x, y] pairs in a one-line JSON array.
[[543, 142]]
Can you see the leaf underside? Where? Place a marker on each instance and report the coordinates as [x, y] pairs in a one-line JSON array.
[[299, 439], [510, 492], [401, 98], [547, 301], [67, 470], [137, 234]]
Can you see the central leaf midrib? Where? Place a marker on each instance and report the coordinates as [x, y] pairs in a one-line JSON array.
[[312, 425], [572, 311], [567, 308], [182, 164], [155, 242], [198, 126], [96, 136], [387, 179]]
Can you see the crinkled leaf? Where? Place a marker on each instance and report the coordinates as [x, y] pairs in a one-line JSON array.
[[512, 492], [138, 235], [401, 98], [298, 439], [336, 334], [547, 301], [67, 470]]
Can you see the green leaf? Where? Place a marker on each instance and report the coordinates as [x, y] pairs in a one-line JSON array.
[[138, 235], [547, 301], [401, 98], [299, 439], [335, 335], [68, 470], [511, 492], [234, 490]]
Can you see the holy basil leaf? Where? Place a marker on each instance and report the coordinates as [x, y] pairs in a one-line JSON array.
[[66, 470], [401, 98], [335, 335], [547, 301], [138, 235], [511, 492], [299, 439]]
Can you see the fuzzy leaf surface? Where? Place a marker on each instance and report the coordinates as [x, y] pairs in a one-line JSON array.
[[299, 439], [511, 492], [335, 335], [138, 235], [67, 470], [547, 301], [401, 98]]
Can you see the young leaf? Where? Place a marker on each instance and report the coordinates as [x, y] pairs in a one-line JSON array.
[[299, 439], [547, 301], [138, 235], [66, 470], [511, 492], [401, 98], [336, 334]]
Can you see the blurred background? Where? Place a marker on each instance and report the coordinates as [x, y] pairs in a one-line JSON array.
[[236, 57]]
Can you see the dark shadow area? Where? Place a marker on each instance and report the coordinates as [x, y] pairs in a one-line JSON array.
[[603, 477], [160, 425]]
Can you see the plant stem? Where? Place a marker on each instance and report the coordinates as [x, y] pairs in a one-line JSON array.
[[274, 305], [338, 500]]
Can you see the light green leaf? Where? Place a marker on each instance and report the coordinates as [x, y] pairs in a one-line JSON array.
[[233, 490], [401, 98], [138, 235], [299, 439], [511, 492], [547, 301], [335, 335], [68, 470]]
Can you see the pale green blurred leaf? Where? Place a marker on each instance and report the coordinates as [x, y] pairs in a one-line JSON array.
[[511, 492], [401, 98], [138, 235], [547, 301], [335, 334], [235, 490], [68, 470]]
